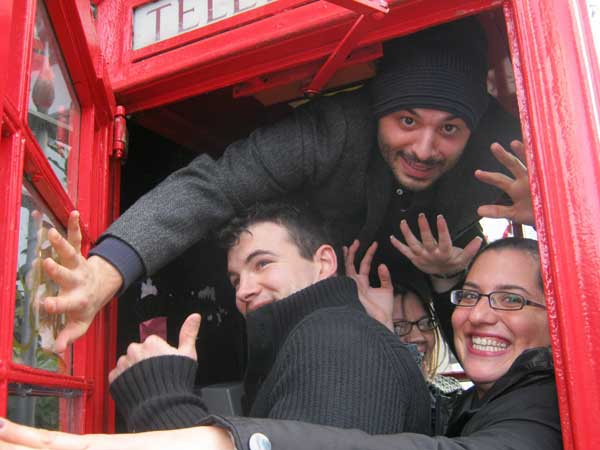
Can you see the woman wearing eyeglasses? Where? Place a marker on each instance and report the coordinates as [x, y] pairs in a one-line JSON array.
[[414, 322]]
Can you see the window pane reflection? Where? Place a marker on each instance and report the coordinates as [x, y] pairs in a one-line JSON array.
[[54, 113], [35, 330], [49, 408]]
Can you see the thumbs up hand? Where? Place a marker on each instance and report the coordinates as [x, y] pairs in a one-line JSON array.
[[155, 346]]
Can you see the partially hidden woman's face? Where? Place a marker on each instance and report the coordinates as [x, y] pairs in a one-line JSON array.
[[408, 307], [488, 341]]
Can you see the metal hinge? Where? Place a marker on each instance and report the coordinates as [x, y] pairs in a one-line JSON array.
[[120, 135]]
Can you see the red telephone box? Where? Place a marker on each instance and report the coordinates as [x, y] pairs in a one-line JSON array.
[[173, 65]]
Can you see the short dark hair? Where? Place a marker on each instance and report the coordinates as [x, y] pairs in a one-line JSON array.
[[305, 227], [525, 245]]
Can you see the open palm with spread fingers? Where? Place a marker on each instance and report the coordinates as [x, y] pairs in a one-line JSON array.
[[379, 302], [83, 289], [517, 188], [434, 257]]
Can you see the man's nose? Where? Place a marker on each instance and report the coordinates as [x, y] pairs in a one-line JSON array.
[[424, 147], [247, 288]]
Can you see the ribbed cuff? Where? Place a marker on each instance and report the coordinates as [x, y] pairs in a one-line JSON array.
[[157, 394], [123, 257]]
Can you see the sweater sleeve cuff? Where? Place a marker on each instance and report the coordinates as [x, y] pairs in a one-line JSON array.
[[123, 257], [157, 394]]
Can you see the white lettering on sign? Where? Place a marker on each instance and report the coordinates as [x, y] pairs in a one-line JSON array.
[[164, 19]]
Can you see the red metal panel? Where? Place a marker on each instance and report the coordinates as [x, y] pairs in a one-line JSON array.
[[558, 86], [6, 11], [292, 37], [11, 168], [38, 377]]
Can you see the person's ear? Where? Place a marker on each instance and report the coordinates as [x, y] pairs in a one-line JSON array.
[[326, 261]]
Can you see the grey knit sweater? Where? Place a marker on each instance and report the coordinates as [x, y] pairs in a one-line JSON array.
[[315, 356]]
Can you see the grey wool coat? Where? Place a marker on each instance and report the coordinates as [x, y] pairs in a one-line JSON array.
[[325, 153]]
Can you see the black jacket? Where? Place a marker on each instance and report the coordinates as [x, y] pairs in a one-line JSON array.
[[520, 412], [315, 356]]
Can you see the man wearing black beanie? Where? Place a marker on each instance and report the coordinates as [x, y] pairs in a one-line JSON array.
[[365, 160]]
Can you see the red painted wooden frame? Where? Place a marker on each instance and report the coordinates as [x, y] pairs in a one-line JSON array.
[[558, 81], [20, 154], [305, 33]]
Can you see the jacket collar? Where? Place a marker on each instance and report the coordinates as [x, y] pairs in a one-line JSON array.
[[531, 366]]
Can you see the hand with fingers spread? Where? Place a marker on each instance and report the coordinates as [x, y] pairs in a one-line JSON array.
[[84, 285], [431, 256], [379, 302], [521, 210], [155, 346]]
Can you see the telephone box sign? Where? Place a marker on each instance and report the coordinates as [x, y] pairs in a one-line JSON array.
[[163, 19]]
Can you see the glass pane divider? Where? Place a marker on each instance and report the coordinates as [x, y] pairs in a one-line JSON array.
[[16, 373]]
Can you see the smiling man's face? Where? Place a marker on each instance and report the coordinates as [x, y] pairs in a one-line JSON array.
[[420, 145], [266, 266]]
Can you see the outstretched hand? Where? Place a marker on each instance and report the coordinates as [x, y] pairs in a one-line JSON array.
[[155, 346], [521, 210], [431, 256], [379, 302], [84, 285]]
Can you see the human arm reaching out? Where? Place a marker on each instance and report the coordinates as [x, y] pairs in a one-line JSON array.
[[517, 188], [85, 286], [379, 302], [20, 437]]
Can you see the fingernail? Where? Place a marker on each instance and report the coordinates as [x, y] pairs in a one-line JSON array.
[[2, 423], [421, 215]]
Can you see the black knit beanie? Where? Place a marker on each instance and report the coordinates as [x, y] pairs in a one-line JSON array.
[[442, 68]]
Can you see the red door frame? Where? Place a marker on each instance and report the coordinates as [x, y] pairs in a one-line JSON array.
[[20, 153], [559, 92], [557, 78]]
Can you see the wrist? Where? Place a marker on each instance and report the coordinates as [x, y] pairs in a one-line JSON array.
[[108, 278], [449, 276]]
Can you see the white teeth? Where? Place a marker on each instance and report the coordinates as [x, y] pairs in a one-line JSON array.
[[488, 344]]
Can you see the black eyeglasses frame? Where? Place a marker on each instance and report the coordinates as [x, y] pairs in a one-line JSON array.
[[489, 297], [413, 323]]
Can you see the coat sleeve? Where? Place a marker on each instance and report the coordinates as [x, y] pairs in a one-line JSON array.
[[195, 200], [337, 368], [290, 435]]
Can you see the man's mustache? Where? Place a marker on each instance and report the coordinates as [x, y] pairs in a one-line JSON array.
[[431, 162]]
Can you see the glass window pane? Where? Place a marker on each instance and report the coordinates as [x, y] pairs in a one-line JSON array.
[[35, 330], [54, 114], [49, 408]]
